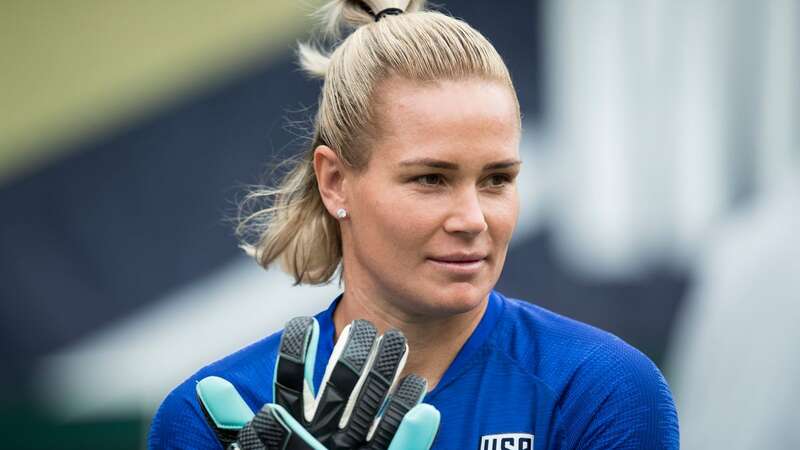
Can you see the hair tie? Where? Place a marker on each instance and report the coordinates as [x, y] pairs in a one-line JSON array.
[[388, 12]]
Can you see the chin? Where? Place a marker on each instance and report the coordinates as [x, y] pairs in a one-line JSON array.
[[455, 298]]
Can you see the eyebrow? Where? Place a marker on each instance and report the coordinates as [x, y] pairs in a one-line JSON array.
[[439, 164]]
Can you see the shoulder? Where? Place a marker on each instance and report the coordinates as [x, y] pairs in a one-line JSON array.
[[179, 422], [603, 386], [546, 342]]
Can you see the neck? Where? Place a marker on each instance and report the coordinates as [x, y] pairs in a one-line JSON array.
[[433, 342]]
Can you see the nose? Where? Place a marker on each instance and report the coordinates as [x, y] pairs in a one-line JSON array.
[[466, 214]]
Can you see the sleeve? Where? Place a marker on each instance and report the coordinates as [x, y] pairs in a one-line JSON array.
[[620, 401], [179, 423]]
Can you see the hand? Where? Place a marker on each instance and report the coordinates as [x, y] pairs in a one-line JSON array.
[[346, 414]]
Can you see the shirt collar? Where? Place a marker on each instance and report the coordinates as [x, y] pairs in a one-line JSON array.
[[476, 340]]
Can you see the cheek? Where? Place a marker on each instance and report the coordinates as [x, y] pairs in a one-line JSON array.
[[501, 217], [396, 222]]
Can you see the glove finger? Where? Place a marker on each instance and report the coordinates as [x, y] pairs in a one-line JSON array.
[[347, 364], [418, 429], [293, 387], [408, 395], [274, 428], [366, 400], [223, 407]]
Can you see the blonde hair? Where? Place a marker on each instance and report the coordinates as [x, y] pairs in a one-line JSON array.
[[295, 227]]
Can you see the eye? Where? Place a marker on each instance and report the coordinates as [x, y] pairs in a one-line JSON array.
[[431, 179], [498, 180]]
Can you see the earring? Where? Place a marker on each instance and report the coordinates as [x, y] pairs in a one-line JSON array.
[[341, 213]]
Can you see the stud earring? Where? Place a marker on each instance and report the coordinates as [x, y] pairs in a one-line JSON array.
[[341, 213]]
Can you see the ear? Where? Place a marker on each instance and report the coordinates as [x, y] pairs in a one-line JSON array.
[[330, 173]]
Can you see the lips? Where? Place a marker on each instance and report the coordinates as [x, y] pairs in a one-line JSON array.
[[459, 264], [457, 258]]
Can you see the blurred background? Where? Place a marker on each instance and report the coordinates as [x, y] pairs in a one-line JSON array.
[[660, 190]]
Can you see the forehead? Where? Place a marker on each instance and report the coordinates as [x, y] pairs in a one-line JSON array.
[[472, 119]]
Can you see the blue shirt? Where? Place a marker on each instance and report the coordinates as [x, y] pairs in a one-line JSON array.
[[526, 376]]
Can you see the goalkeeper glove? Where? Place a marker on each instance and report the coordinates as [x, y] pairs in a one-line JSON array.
[[347, 412]]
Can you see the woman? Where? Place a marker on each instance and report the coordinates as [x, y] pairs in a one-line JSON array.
[[409, 189]]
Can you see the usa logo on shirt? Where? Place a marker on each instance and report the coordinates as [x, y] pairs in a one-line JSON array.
[[507, 441]]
